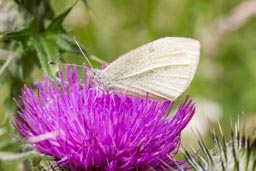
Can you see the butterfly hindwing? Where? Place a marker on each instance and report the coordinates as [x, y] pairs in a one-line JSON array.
[[162, 69]]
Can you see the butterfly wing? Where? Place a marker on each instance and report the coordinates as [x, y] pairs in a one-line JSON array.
[[161, 69]]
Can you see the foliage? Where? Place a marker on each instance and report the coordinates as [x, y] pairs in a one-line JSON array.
[[235, 153], [40, 39], [110, 28]]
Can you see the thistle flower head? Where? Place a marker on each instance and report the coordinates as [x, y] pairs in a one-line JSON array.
[[237, 153], [84, 128]]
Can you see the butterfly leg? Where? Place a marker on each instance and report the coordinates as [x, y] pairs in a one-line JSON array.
[[97, 94], [113, 98]]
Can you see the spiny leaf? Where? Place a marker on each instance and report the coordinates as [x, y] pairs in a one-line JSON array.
[[47, 51], [67, 44], [21, 35], [226, 155], [56, 24], [40, 9]]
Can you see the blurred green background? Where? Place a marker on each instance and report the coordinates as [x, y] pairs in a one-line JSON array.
[[226, 73], [223, 87]]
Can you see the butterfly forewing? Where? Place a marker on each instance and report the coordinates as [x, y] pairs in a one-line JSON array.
[[161, 69]]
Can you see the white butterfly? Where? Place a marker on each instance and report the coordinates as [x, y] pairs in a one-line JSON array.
[[161, 69]]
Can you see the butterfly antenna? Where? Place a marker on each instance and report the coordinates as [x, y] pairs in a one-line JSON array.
[[81, 50], [97, 59], [58, 64]]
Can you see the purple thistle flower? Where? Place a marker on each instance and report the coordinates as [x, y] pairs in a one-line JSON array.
[[84, 128]]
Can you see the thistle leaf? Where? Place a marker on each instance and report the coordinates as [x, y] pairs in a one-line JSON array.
[[67, 44], [227, 154], [47, 50], [56, 24], [21, 35]]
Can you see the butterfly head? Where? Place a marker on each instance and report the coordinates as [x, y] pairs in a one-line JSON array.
[[98, 79]]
